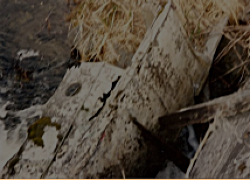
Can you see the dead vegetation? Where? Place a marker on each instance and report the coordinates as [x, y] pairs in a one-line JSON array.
[[231, 62], [105, 27], [106, 30], [200, 16]]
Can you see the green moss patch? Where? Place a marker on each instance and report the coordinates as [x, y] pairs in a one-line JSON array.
[[36, 130]]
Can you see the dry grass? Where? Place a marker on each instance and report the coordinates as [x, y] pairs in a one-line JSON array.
[[107, 26], [200, 16]]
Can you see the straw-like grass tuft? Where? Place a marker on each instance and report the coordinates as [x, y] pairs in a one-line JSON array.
[[107, 26]]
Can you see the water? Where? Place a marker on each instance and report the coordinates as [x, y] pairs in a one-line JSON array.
[[34, 32]]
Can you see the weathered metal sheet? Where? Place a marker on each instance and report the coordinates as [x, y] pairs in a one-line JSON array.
[[225, 151], [95, 79], [96, 136]]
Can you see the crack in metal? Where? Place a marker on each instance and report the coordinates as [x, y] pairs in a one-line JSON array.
[[105, 97]]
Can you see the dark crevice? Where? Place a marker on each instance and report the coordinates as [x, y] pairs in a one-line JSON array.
[[171, 151], [75, 58], [105, 97], [138, 69]]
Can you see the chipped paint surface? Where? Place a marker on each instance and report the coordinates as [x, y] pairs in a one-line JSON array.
[[37, 153], [8, 147], [226, 143], [226, 150], [99, 140]]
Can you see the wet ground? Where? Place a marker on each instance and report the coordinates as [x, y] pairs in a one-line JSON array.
[[34, 50]]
